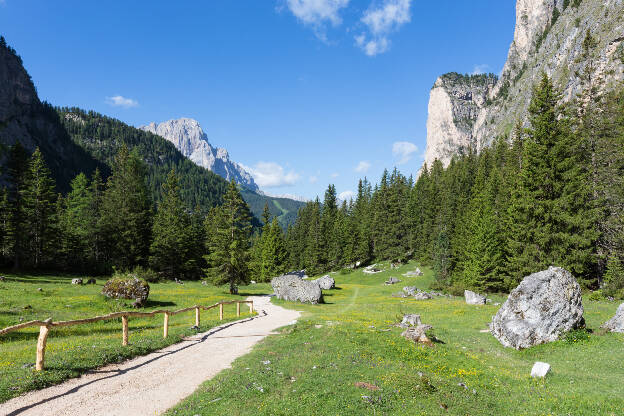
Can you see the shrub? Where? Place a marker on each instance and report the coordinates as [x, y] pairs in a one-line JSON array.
[[148, 275], [576, 335], [127, 286]]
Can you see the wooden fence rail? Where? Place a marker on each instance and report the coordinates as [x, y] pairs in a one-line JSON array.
[[45, 326]]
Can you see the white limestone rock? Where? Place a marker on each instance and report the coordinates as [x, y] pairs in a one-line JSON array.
[[544, 306], [473, 298], [616, 324], [540, 370]]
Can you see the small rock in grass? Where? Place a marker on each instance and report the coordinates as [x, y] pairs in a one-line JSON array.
[[39, 289], [616, 324], [205, 283], [253, 282], [28, 365], [76, 281], [392, 281], [418, 334], [91, 281], [540, 369], [267, 362], [422, 296], [409, 320], [318, 326], [2, 278], [367, 386], [195, 328], [473, 298], [27, 307], [463, 385]]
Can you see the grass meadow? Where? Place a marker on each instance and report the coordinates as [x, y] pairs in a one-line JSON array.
[[312, 367], [73, 350]]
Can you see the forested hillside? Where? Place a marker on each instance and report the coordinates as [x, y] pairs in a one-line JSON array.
[[103, 137], [554, 196]]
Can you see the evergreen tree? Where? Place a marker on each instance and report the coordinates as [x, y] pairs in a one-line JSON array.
[[38, 197], [228, 233], [126, 212], [77, 224], [553, 214], [173, 235], [274, 254], [17, 170]]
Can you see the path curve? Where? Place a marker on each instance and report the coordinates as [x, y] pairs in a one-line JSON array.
[[151, 384]]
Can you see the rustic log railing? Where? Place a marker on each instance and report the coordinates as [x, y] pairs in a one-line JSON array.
[[45, 326]]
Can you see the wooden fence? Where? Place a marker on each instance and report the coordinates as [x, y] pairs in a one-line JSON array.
[[45, 326]]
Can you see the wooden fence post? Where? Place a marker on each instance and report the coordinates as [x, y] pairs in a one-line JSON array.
[[166, 326], [237, 308], [251, 307], [197, 319], [41, 346], [220, 311], [124, 324]]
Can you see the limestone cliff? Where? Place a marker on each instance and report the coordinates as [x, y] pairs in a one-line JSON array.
[[454, 105], [548, 38]]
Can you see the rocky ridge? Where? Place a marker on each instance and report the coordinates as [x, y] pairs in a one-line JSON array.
[[548, 37], [189, 138]]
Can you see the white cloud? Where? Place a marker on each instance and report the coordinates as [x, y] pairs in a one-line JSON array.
[[404, 151], [317, 13], [335, 175], [121, 101], [346, 195], [363, 167], [313, 179], [271, 175], [480, 69], [381, 21]]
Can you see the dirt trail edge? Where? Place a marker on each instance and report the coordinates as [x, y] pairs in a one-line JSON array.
[[151, 384]]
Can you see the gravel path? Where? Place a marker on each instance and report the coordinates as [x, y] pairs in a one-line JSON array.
[[151, 384]]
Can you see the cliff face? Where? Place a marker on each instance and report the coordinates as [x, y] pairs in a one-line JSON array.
[[455, 102], [24, 119], [189, 138], [548, 38]]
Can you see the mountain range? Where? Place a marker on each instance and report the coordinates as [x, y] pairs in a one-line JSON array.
[[188, 137], [76, 141]]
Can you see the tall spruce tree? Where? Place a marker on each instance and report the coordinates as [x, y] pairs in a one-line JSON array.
[[553, 217], [17, 170], [172, 250], [126, 218], [77, 225], [39, 199], [228, 233]]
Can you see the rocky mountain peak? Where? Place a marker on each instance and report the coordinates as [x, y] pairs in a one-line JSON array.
[[548, 37], [189, 138]]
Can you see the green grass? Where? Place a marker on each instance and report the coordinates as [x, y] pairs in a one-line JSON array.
[[315, 363], [74, 350]]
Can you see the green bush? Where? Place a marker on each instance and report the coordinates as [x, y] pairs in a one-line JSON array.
[[147, 274]]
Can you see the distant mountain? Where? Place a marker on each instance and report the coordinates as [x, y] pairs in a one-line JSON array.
[[188, 137]]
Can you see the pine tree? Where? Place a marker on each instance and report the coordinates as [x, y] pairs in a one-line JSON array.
[[173, 239], [330, 254], [39, 198], [17, 169], [126, 212], [274, 254], [77, 224], [552, 210], [228, 233]]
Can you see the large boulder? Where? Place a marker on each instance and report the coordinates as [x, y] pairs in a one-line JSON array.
[[326, 282], [293, 288], [473, 298], [544, 305], [616, 324], [127, 287]]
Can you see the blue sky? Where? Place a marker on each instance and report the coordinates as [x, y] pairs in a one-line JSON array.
[[304, 92]]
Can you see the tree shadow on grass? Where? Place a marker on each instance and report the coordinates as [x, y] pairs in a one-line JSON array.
[[158, 303], [253, 294]]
